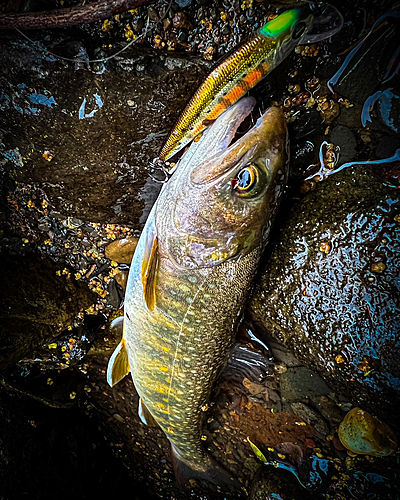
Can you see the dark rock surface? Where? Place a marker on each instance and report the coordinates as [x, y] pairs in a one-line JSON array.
[[50, 440], [336, 306], [367, 65], [299, 383], [344, 138], [270, 483], [87, 136], [35, 304]]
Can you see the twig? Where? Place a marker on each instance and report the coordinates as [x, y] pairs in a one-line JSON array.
[[103, 9]]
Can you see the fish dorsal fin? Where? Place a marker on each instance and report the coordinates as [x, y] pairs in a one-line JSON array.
[[145, 416], [118, 365], [149, 269]]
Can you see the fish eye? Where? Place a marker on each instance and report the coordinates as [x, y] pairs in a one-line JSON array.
[[246, 180], [299, 30]]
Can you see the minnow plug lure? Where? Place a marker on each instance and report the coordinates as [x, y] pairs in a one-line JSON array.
[[249, 64]]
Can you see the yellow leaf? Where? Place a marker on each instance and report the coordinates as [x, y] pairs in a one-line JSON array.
[[258, 453]]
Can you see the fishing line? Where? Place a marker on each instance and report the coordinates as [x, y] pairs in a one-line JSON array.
[[77, 60], [104, 59]]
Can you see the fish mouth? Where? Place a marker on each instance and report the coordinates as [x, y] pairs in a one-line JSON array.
[[246, 125], [241, 143], [219, 135], [244, 117]]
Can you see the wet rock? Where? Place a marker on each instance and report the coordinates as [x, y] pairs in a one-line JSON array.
[[55, 388], [315, 473], [338, 445], [36, 304], [301, 383], [39, 444], [180, 20], [352, 30], [255, 389], [329, 409], [87, 137], [362, 433], [381, 484], [311, 417], [122, 251], [183, 3], [307, 122], [350, 117], [282, 355], [329, 111], [114, 298], [360, 75], [344, 138], [387, 146], [69, 348], [380, 111], [330, 309], [273, 401]]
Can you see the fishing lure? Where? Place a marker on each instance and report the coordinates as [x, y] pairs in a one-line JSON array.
[[249, 64]]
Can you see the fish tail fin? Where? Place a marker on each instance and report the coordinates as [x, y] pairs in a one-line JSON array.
[[211, 475]]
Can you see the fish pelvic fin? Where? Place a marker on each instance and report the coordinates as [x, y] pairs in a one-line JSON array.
[[149, 272], [211, 475], [118, 365], [145, 416]]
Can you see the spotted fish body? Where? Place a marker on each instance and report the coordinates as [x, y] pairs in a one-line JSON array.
[[192, 272], [176, 356], [238, 73]]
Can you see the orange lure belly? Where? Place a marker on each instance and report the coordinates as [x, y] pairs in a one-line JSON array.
[[225, 85]]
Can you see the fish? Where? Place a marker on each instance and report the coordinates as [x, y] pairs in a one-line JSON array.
[[247, 66], [191, 274]]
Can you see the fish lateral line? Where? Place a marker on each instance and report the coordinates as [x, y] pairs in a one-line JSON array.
[[178, 340]]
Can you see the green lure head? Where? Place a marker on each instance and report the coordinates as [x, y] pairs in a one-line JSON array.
[[306, 24], [292, 24]]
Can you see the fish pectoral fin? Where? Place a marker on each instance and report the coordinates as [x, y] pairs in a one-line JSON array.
[[246, 362], [145, 416], [149, 273], [118, 365]]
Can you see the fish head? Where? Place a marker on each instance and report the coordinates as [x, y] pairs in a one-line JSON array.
[[221, 199]]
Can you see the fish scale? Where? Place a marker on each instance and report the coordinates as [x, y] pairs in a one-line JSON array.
[[178, 414]]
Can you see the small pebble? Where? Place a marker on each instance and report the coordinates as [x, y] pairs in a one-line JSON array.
[[363, 434]]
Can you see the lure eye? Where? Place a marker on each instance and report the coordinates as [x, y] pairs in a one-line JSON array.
[[246, 180], [299, 30]]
